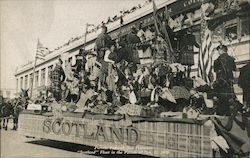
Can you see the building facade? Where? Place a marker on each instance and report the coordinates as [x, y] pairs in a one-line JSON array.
[[7, 93], [229, 25]]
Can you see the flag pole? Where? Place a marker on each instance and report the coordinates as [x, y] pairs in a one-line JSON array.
[[85, 36], [84, 45], [33, 75], [155, 18], [121, 24]]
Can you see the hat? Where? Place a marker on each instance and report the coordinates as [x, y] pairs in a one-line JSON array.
[[133, 29], [221, 46]]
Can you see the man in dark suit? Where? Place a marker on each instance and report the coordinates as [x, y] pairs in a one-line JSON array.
[[224, 66]]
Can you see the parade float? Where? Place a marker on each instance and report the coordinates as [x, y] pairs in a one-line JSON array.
[[155, 137], [160, 137]]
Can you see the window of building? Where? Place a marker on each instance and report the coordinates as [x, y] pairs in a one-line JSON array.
[[231, 30], [245, 26], [17, 85], [31, 79], [43, 77], [36, 79], [26, 82], [50, 68], [70, 60], [21, 82]]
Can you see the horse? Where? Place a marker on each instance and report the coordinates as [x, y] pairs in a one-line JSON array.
[[7, 111], [13, 108], [24, 97], [20, 104]]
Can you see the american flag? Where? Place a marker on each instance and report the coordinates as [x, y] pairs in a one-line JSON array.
[[41, 51], [205, 58]]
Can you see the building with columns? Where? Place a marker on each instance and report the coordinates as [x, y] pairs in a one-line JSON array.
[[225, 24]]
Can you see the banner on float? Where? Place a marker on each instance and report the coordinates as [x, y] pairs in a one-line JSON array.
[[162, 139]]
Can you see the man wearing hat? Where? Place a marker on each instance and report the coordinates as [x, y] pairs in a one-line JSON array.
[[224, 66]]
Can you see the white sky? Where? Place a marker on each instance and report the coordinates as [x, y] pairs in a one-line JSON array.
[[54, 22]]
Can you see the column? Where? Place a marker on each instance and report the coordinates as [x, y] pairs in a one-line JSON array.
[[17, 84], [39, 78], [28, 84], [46, 76]]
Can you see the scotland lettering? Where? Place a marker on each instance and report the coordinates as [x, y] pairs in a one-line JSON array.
[[125, 135]]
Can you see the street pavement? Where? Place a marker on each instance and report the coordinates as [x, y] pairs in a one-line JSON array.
[[14, 145]]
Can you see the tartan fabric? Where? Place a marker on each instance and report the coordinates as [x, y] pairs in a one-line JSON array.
[[56, 80], [135, 56], [102, 41], [160, 53], [110, 80], [187, 58]]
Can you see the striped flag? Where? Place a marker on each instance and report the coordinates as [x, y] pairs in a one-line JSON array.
[[41, 51], [205, 58]]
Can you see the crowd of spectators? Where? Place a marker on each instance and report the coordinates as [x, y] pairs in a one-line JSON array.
[[107, 22]]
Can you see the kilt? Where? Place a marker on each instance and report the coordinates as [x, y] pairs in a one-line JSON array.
[[55, 84], [135, 56], [187, 58]]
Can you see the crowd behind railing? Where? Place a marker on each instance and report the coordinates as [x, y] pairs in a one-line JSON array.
[[109, 21]]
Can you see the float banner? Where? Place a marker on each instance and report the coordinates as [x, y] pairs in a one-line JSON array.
[[155, 138]]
